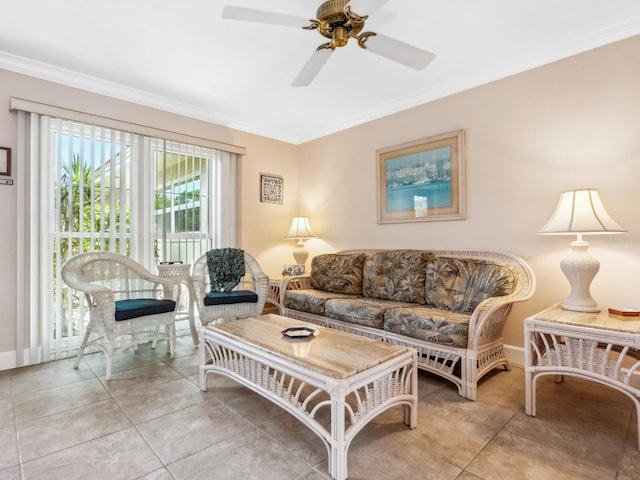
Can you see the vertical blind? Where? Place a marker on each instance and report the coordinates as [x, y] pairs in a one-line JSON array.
[[94, 188]]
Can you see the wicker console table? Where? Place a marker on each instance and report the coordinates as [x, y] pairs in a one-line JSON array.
[[598, 347], [354, 377]]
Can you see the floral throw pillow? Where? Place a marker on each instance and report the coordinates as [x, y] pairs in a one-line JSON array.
[[338, 273], [395, 275], [459, 285]]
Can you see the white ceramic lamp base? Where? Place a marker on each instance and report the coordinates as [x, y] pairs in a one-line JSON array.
[[300, 253], [580, 268]]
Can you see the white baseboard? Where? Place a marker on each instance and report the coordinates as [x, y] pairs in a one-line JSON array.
[[7, 360], [515, 354]]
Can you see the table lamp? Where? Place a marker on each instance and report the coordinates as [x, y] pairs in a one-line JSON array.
[[580, 212], [301, 230]]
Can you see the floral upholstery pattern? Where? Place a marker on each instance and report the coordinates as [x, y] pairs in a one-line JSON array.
[[338, 273], [310, 300], [368, 312], [429, 324], [397, 275], [226, 268], [460, 285]]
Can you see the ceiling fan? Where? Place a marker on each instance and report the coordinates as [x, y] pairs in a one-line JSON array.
[[337, 21]]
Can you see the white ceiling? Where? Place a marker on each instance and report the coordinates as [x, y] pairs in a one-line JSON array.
[[181, 56]]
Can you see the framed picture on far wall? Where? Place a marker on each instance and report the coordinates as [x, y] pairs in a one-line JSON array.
[[422, 181], [271, 188], [5, 161]]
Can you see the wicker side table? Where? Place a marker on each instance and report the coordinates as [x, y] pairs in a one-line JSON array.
[[182, 272], [597, 347], [273, 295]]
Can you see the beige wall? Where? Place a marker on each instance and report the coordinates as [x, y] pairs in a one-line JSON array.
[[571, 124], [263, 225]]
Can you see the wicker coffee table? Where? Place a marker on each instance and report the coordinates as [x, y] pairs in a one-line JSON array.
[[353, 378]]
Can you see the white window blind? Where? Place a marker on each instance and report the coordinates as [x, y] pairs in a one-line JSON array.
[[88, 187]]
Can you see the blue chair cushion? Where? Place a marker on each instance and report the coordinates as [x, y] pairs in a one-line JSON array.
[[228, 298], [140, 307]]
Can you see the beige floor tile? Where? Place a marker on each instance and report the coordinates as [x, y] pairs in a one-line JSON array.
[[294, 436], [152, 402], [121, 455], [247, 456], [314, 475], [242, 400], [629, 465], [39, 403], [6, 413], [11, 473], [395, 452], [78, 426], [5, 385], [63, 430], [467, 476], [162, 474], [122, 361], [451, 434], [186, 365], [144, 378], [509, 457], [593, 430], [8, 447], [47, 375], [191, 429]]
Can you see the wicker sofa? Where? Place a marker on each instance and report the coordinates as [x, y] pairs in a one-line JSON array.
[[450, 305]]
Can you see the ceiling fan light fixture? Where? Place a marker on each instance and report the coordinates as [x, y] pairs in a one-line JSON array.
[[339, 36], [337, 22]]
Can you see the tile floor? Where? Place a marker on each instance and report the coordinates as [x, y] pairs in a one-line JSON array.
[[152, 422]]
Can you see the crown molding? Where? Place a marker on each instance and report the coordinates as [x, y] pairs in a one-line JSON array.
[[489, 73]]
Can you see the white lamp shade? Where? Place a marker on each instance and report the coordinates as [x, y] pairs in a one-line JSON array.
[[580, 211], [300, 228]]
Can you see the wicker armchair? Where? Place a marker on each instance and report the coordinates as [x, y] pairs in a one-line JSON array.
[[128, 304], [246, 300]]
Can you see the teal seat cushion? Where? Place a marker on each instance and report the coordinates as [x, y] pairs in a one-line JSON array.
[[140, 307], [229, 298]]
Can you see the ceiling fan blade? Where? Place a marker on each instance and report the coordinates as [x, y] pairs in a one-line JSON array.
[[398, 51], [366, 7], [312, 67], [261, 16]]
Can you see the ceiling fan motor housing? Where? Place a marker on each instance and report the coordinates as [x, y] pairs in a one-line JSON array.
[[337, 22]]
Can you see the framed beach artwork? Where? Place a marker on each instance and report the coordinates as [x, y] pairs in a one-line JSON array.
[[422, 181]]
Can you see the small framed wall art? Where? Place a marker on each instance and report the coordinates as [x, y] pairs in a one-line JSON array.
[[5, 161], [271, 188]]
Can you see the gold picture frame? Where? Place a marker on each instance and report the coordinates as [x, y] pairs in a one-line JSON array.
[[422, 181]]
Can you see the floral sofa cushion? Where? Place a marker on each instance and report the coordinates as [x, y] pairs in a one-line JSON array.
[[397, 275], [368, 312], [429, 324], [338, 273], [310, 300], [459, 285]]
